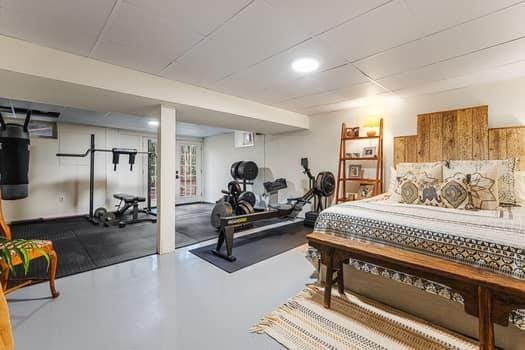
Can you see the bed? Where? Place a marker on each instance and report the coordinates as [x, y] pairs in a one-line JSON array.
[[493, 240]]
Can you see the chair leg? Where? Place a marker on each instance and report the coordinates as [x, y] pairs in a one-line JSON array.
[[53, 258], [5, 275]]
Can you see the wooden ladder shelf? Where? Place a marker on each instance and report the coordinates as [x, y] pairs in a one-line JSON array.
[[342, 177]]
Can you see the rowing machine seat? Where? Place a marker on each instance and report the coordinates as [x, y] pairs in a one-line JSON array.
[[129, 199]]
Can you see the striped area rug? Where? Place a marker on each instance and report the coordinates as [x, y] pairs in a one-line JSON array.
[[353, 323]]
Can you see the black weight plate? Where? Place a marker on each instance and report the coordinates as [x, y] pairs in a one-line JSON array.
[[233, 169], [244, 208], [247, 170], [100, 212], [234, 188], [249, 197]]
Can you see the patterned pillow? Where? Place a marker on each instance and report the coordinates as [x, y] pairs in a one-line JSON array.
[[408, 189], [417, 175], [430, 194], [478, 190], [454, 191], [506, 181], [403, 168]]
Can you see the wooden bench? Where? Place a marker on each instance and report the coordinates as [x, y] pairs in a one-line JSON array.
[[489, 296]]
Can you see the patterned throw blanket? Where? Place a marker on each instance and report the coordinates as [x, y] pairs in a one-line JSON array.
[[491, 240]]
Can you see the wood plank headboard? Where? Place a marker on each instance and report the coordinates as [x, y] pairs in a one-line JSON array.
[[459, 134]]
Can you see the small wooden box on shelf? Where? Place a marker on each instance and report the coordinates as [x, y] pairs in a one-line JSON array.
[[348, 135]]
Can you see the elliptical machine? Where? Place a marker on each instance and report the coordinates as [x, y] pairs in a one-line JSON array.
[[321, 188]]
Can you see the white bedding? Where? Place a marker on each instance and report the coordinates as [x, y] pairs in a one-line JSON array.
[[492, 240]]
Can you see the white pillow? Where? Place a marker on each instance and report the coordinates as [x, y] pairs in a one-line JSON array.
[[392, 185], [519, 177]]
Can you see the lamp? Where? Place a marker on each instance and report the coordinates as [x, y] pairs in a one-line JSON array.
[[371, 126]]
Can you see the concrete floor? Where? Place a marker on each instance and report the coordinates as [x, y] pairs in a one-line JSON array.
[[173, 301]]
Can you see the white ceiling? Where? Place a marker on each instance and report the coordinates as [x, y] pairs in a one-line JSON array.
[[113, 120], [245, 47]]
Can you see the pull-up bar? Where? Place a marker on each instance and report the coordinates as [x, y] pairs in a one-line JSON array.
[[117, 152]]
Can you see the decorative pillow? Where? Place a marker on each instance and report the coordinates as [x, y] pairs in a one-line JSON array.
[[506, 168], [430, 194], [417, 175], [403, 168], [408, 189], [454, 191], [478, 190], [519, 177], [393, 181]]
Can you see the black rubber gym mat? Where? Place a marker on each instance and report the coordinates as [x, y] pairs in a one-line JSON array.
[[82, 246], [116, 245], [258, 246]]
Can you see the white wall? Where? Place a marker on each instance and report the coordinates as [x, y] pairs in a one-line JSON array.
[[60, 186], [321, 143]]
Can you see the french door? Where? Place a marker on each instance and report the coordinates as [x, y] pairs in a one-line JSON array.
[[188, 175]]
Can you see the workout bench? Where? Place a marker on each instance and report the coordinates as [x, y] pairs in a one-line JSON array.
[[129, 201]]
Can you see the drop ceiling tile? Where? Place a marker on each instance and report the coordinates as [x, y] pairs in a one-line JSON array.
[[415, 78], [318, 16], [126, 43], [312, 100], [332, 79], [71, 26], [202, 16], [146, 58], [456, 41], [433, 16], [361, 90], [378, 30], [485, 59], [257, 33], [277, 70]]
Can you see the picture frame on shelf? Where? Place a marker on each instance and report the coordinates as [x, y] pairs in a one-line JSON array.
[[369, 152], [353, 155], [354, 171], [352, 133], [366, 190]]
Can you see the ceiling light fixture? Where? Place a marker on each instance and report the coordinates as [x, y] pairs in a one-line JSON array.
[[153, 123], [305, 65]]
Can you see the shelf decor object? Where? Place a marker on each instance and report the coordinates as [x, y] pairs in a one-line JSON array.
[[347, 161], [371, 126]]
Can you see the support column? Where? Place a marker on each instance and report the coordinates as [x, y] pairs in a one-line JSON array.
[[166, 180]]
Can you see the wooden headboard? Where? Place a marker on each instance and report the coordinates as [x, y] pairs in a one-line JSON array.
[[459, 134]]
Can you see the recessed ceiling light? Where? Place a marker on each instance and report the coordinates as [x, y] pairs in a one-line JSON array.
[[305, 65], [153, 123]]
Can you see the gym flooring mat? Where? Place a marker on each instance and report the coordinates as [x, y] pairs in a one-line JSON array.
[[82, 246], [259, 246]]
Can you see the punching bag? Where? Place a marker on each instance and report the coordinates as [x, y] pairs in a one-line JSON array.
[[14, 159]]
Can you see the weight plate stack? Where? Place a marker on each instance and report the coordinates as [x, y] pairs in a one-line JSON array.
[[249, 197], [244, 208]]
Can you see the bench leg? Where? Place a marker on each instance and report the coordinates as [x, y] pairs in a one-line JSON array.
[[340, 278], [53, 262], [329, 277], [486, 325]]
